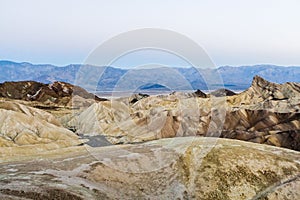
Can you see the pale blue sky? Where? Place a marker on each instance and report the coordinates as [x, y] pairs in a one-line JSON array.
[[233, 32]]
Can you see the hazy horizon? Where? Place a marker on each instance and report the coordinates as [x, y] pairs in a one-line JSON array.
[[159, 65]]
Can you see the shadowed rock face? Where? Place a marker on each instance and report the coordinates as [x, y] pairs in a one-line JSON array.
[[201, 94], [263, 126], [174, 168], [265, 113], [136, 97], [222, 92], [59, 93]]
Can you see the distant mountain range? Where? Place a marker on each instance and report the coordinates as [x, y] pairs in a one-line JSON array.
[[234, 78]]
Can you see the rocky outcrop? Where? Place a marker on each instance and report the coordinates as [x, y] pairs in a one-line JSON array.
[[136, 97], [201, 94], [148, 119], [265, 113], [175, 168], [58, 93], [263, 126], [262, 90], [23, 125], [197, 93], [222, 92]]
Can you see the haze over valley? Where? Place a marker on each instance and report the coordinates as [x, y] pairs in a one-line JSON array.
[[233, 78]]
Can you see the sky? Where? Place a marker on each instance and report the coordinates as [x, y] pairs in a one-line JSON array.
[[232, 32]]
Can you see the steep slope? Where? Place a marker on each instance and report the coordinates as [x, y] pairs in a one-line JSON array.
[[263, 91], [58, 93], [23, 125], [222, 92], [263, 126], [266, 113]]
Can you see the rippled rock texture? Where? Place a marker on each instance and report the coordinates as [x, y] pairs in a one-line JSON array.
[[265, 113], [41, 159], [22, 125]]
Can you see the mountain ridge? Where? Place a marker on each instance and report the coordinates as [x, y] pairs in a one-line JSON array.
[[58, 93], [232, 78]]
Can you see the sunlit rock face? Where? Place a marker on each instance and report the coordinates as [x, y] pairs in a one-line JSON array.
[[262, 93], [174, 168], [265, 113], [23, 125]]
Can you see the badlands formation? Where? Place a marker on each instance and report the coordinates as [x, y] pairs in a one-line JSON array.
[[176, 146], [266, 113]]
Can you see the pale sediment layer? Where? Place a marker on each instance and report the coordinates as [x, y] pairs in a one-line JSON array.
[[183, 168]]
